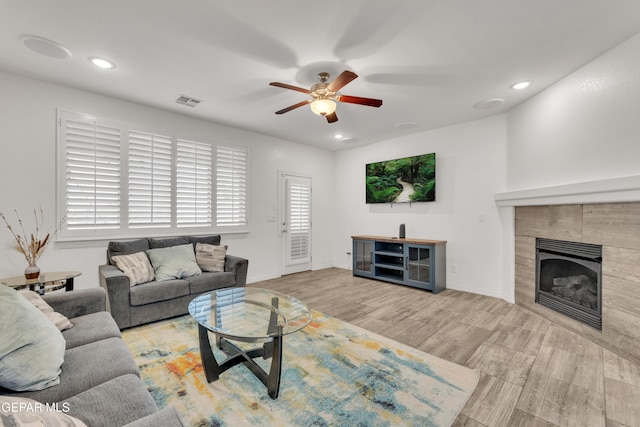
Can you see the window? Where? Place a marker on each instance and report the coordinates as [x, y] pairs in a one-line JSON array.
[[194, 184], [150, 164], [299, 213], [92, 175], [116, 180], [231, 186]]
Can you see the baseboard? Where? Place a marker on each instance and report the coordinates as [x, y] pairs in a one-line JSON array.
[[345, 267], [322, 267], [507, 298], [254, 279]]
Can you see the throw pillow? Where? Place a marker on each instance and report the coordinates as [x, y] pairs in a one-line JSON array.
[[126, 248], [174, 262], [136, 267], [20, 411], [58, 319], [210, 257], [31, 347]]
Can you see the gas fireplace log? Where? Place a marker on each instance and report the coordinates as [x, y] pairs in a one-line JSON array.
[[566, 291], [581, 280], [585, 297], [578, 289]]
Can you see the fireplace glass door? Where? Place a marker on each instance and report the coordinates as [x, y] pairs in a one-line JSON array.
[[569, 281]]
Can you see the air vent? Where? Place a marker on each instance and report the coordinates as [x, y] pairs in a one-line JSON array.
[[188, 101]]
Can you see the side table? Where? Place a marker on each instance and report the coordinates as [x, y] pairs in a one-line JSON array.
[[46, 282]]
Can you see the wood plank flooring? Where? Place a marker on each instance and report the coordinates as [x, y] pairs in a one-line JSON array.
[[533, 372]]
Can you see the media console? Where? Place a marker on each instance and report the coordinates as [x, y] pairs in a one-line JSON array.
[[413, 262]]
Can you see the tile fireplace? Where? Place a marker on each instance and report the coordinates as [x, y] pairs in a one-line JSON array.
[[615, 227]]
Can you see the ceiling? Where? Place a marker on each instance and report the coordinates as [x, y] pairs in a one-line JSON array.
[[431, 61]]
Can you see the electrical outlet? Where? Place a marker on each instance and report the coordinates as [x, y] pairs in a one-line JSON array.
[[454, 268]]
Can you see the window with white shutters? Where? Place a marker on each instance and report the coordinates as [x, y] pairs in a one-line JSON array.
[[150, 164], [194, 182], [231, 186], [299, 219], [116, 181], [91, 182]]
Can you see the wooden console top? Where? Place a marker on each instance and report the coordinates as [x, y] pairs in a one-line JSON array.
[[397, 240]]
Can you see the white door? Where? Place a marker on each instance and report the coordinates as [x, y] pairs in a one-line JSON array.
[[296, 223]]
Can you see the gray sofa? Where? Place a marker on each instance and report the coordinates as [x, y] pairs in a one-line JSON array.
[[99, 383], [151, 301]]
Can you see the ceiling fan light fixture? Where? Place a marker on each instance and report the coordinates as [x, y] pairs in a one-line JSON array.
[[323, 107]]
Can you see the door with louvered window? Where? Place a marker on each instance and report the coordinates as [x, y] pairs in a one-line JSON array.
[[296, 223]]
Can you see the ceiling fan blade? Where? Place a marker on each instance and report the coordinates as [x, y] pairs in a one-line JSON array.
[[358, 100], [332, 118], [293, 107], [342, 80], [286, 86]]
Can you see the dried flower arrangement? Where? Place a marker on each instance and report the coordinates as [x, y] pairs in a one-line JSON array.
[[33, 246]]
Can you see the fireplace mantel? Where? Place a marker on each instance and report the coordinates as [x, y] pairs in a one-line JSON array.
[[612, 190]]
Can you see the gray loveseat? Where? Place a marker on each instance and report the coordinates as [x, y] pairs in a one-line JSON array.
[[99, 383], [156, 300]]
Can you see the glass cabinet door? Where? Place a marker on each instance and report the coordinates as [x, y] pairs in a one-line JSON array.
[[362, 252], [418, 268]]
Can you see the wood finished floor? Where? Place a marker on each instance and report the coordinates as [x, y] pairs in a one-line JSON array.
[[533, 372]]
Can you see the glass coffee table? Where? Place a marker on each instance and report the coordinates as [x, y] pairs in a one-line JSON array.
[[250, 315], [46, 282]]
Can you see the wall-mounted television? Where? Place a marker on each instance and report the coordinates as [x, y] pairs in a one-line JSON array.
[[406, 180]]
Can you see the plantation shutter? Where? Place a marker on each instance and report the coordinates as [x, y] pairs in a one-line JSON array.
[[299, 218], [115, 181], [149, 180], [231, 186], [194, 181], [92, 174]]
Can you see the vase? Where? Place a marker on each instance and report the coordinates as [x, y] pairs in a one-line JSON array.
[[32, 271]]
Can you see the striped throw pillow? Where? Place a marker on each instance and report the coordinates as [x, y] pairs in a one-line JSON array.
[[58, 319], [210, 257], [136, 267]]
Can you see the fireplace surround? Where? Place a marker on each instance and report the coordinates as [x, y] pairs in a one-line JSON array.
[[614, 226], [569, 279]]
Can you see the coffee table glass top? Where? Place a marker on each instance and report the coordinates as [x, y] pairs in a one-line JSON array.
[[45, 278], [248, 314]]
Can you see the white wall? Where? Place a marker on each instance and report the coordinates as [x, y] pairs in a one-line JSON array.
[[586, 127], [470, 169], [27, 176], [579, 132]]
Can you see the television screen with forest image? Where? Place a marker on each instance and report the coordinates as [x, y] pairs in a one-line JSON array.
[[406, 180]]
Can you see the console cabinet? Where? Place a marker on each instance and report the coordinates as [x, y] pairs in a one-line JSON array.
[[413, 262]]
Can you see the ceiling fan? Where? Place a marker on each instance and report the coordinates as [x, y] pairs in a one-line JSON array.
[[324, 95]]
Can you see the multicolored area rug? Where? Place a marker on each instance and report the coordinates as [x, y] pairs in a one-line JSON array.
[[333, 374]]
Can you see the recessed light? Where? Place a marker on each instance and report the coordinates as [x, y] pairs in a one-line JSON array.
[[521, 85], [489, 103], [338, 136], [46, 47], [102, 63], [406, 125]]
